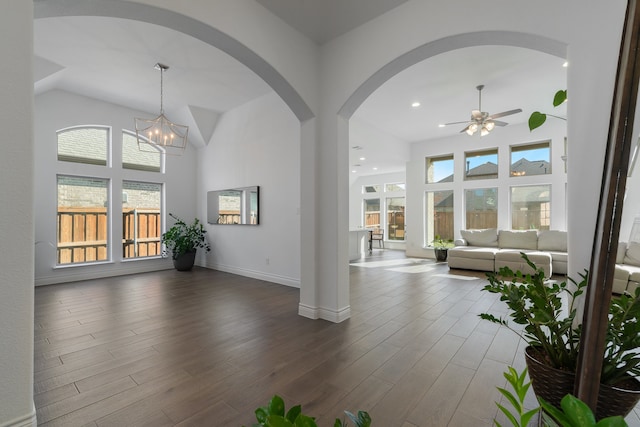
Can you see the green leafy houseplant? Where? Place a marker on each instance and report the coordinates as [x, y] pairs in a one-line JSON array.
[[537, 119], [537, 305], [183, 238], [274, 415], [572, 412], [440, 243]]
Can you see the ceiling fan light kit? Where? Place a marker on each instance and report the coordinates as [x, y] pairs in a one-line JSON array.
[[161, 133], [481, 120]]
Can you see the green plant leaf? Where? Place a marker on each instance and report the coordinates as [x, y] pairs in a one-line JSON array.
[[577, 411], [278, 421], [305, 421], [616, 421], [536, 120], [293, 413], [559, 97], [509, 415], [276, 406], [261, 414]]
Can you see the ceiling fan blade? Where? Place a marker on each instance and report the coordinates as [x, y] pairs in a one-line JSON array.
[[466, 128], [456, 123], [499, 123], [505, 113]]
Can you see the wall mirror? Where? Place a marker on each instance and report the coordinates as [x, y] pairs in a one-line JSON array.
[[234, 206], [610, 217]]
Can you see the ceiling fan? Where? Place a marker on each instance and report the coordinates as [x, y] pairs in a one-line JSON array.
[[481, 120]]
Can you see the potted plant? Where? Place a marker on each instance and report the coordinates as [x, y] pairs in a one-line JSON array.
[[183, 241], [441, 247], [553, 338], [572, 412]]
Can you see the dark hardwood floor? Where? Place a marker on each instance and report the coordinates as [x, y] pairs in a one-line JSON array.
[[205, 348]]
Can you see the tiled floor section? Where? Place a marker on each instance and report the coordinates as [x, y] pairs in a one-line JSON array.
[[205, 348]]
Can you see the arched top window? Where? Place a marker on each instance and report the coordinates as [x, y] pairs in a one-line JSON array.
[[133, 158], [84, 145]]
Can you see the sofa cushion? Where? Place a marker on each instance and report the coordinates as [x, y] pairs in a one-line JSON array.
[[622, 248], [632, 254], [518, 239], [485, 238], [634, 275], [552, 240], [472, 252]]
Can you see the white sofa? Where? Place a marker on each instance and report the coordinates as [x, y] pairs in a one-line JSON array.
[[627, 273], [492, 249]]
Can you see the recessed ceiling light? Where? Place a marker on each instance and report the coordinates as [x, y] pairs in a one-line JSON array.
[[441, 125], [363, 158], [415, 104], [353, 171], [375, 169], [565, 64]]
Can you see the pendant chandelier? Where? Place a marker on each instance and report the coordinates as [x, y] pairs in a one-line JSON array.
[[160, 133]]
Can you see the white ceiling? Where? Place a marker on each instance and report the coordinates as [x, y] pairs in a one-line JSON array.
[[113, 59], [323, 20]]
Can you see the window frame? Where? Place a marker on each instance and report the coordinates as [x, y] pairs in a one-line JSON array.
[[480, 153], [86, 160], [515, 148], [431, 168]]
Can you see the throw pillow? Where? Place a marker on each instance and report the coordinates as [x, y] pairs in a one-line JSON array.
[[552, 240], [632, 256], [484, 238], [516, 239]]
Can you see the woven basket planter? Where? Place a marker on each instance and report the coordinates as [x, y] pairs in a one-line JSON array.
[[553, 384]]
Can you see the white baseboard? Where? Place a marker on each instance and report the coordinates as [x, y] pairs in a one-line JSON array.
[[28, 420], [324, 313], [308, 312], [75, 274], [254, 274]]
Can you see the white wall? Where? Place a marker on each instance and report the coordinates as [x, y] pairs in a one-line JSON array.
[[16, 216], [57, 110], [501, 138], [256, 144]]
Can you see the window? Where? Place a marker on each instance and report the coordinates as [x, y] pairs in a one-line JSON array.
[[481, 208], [530, 159], [82, 219], [84, 145], [133, 158], [481, 164], [439, 214], [395, 218], [141, 219], [371, 188], [531, 207], [439, 169], [389, 188], [372, 213]]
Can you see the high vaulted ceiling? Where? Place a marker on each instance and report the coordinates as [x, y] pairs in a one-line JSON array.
[[323, 20], [112, 59]]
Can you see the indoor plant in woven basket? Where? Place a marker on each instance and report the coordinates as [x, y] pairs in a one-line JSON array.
[[553, 338]]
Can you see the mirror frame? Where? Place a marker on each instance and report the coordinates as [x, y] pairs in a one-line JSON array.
[[245, 213], [609, 219]]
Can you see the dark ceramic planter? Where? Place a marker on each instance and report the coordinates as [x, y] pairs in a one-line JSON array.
[[185, 261], [553, 384], [441, 254]]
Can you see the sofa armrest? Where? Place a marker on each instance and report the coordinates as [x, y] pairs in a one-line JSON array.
[[460, 242]]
